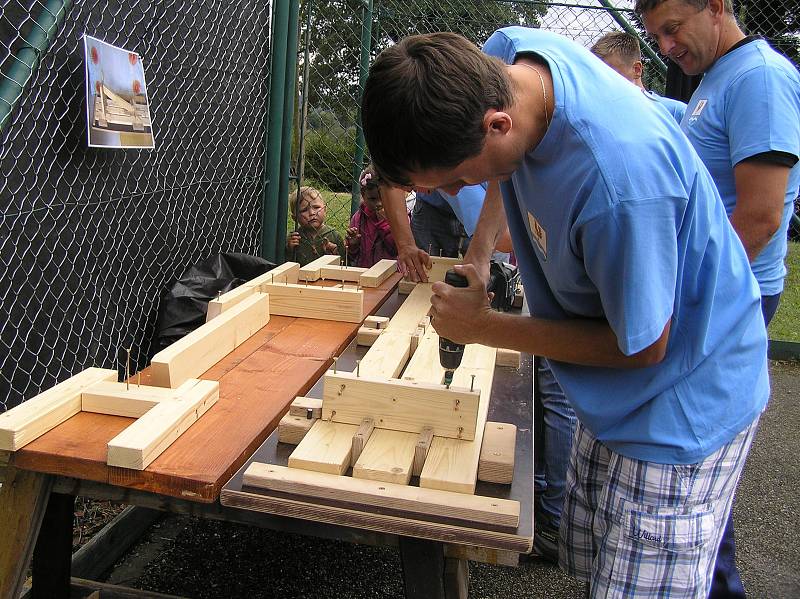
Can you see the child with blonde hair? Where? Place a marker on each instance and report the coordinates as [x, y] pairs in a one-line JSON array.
[[311, 238]]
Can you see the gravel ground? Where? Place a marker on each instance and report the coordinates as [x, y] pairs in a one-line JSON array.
[[205, 559]]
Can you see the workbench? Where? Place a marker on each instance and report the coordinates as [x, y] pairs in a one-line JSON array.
[[258, 380]]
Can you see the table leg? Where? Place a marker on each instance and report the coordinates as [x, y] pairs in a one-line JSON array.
[[52, 556], [23, 499], [427, 574]]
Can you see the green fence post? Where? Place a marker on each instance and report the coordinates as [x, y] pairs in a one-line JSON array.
[[363, 71], [287, 127], [272, 154], [22, 66]]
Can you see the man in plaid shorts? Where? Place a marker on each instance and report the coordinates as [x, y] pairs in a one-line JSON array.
[[640, 291]]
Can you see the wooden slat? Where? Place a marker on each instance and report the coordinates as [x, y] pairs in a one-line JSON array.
[[378, 273], [405, 287], [325, 448], [421, 449], [144, 440], [425, 366], [129, 400], [323, 303], [285, 273], [301, 405], [508, 357], [412, 502], [440, 267], [412, 310], [388, 354], [24, 423], [496, 463], [376, 322], [452, 464], [342, 273], [366, 336], [310, 272], [388, 457], [292, 429], [360, 439], [198, 351], [400, 405]]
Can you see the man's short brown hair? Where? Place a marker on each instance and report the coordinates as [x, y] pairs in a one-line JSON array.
[[621, 43], [424, 103], [642, 6]]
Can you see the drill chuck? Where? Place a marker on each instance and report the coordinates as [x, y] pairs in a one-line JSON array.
[[450, 353]]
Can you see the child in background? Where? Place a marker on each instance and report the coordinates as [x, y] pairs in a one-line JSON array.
[[313, 238], [369, 238]]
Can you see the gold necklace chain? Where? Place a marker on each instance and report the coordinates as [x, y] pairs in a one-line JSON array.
[[544, 89]]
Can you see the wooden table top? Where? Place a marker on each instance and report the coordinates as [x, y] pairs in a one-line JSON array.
[[257, 382]]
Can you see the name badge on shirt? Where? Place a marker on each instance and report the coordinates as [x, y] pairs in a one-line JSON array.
[[538, 233]]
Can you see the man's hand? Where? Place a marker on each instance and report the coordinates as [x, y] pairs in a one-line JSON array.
[[412, 262], [293, 240], [353, 237], [330, 247], [461, 314]]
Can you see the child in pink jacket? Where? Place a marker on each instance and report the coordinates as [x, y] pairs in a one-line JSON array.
[[369, 238]]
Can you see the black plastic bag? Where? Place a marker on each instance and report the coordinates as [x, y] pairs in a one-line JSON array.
[[183, 306]]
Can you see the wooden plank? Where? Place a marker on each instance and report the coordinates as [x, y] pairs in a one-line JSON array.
[[198, 351], [285, 273], [496, 462], [310, 272], [388, 457], [292, 429], [440, 267], [421, 448], [400, 405], [412, 310], [452, 464], [366, 336], [301, 405], [24, 423], [425, 366], [376, 322], [144, 440], [131, 401], [508, 357], [388, 355], [326, 448], [360, 439], [378, 273], [23, 500], [342, 273], [406, 287], [413, 502], [323, 303]]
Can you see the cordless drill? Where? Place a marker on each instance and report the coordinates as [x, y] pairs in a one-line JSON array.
[[450, 353]]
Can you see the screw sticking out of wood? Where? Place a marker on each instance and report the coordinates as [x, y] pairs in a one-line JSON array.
[[128, 368], [341, 389], [334, 365], [472, 383], [358, 367]]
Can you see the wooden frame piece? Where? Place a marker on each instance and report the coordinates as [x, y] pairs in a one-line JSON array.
[[378, 273], [148, 437], [324, 303], [325, 448], [292, 429], [285, 273], [376, 322], [301, 405], [360, 439], [400, 405], [198, 351], [310, 272], [421, 449], [332, 272], [391, 498], [31, 419], [440, 267], [509, 358], [387, 457], [496, 464], [366, 336]]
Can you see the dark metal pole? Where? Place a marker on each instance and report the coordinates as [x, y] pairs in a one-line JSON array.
[[363, 71]]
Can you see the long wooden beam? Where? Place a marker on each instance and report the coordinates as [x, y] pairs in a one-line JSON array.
[[324, 303], [395, 499], [24, 423], [325, 448], [198, 351], [144, 440], [342, 273], [310, 272], [129, 400], [378, 273], [285, 273], [400, 405]]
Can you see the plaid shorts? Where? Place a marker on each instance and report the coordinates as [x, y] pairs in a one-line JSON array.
[[632, 528]]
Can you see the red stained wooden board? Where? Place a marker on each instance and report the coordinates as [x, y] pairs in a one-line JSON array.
[[258, 381]]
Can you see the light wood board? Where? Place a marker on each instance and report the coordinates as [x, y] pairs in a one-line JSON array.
[[285, 273], [388, 457], [325, 448], [323, 303], [342, 273], [310, 272], [378, 273], [198, 351]]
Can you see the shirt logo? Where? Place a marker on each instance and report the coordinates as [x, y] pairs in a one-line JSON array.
[[538, 233], [698, 109]]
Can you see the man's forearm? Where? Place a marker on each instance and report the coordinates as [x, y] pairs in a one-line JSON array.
[[490, 227]]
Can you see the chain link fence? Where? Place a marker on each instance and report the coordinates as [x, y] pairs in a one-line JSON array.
[[89, 237]]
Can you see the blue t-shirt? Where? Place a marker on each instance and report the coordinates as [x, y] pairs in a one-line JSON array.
[[614, 217], [466, 204], [749, 103], [675, 107]]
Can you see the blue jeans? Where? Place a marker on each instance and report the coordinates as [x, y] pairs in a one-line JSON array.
[[553, 429], [726, 582]]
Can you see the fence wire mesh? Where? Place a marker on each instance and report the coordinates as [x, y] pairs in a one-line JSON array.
[[89, 237]]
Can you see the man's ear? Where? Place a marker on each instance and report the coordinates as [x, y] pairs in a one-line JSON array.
[[495, 121], [638, 69], [717, 7]]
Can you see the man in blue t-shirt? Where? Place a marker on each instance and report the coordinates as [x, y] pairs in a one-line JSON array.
[[443, 224], [744, 122], [640, 292], [621, 51]]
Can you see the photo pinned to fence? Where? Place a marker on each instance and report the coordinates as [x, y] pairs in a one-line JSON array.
[[117, 103]]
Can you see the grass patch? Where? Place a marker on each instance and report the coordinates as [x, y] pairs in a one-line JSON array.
[[786, 324]]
